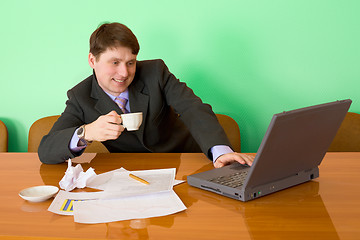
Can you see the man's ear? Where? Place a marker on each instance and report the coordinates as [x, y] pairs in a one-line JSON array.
[[91, 60]]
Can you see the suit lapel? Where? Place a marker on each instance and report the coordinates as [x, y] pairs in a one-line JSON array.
[[139, 102], [104, 103]]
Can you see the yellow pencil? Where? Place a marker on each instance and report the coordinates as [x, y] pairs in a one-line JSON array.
[[138, 179]]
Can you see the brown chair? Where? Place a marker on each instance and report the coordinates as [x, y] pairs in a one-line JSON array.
[[231, 129], [42, 127], [347, 138], [3, 137]]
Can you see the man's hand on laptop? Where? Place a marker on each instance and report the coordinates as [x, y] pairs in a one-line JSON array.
[[229, 158]]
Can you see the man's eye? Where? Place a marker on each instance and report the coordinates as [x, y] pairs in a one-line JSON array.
[[115, 63]]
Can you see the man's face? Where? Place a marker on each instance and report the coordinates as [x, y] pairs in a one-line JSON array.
[[114, 69]]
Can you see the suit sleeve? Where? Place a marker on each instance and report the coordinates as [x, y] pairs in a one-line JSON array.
[[54, 147], [196, 115]]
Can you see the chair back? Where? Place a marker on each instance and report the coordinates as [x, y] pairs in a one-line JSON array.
[[3, 137], [231, 129], [42, 126], [347, 138]]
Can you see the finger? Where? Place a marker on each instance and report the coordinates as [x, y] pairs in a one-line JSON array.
[[218, 164], [113, 119], [234, 157], [112, 135], [224, 160], [109, 131], [115, 129], [112, 113], [246, 159]]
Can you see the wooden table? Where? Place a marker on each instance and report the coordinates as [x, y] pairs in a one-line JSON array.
[[325, 208]]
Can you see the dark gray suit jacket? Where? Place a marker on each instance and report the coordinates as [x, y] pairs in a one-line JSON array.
[[174, 118]]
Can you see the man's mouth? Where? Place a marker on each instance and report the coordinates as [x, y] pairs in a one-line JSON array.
[[119, 80]]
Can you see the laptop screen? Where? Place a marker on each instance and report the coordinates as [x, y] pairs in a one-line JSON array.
[[297, 141]]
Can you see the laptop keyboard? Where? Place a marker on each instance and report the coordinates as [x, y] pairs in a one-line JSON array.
[[234, 180]]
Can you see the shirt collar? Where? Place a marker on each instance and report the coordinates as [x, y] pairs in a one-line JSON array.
[[124, 94]]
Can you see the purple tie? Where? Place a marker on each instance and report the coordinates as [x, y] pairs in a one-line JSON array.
[[121, 102]]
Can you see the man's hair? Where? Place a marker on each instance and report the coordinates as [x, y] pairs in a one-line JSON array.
[[112, 35]]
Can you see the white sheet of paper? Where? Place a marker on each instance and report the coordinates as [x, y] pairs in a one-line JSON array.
[[177, 182], [135, 207], [100, 180], [123, 197], [63, 202], [122, 185]]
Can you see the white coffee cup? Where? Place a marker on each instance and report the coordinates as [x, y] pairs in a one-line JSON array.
[[132, 121]]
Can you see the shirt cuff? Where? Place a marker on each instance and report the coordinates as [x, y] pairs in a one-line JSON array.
[[76, 145], [219, 150]]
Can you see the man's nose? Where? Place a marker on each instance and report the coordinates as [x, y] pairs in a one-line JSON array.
[[122, 70]]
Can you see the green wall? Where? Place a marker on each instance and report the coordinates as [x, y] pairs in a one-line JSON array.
[[248, 59]]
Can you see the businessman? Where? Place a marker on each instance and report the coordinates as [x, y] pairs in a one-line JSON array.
[[174, 118]]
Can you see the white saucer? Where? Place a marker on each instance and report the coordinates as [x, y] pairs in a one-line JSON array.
[[38, 193]]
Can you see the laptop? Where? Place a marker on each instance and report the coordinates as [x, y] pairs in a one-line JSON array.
[[292, 149]]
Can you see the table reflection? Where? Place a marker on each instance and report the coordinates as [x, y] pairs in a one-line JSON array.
[[278, 213]]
